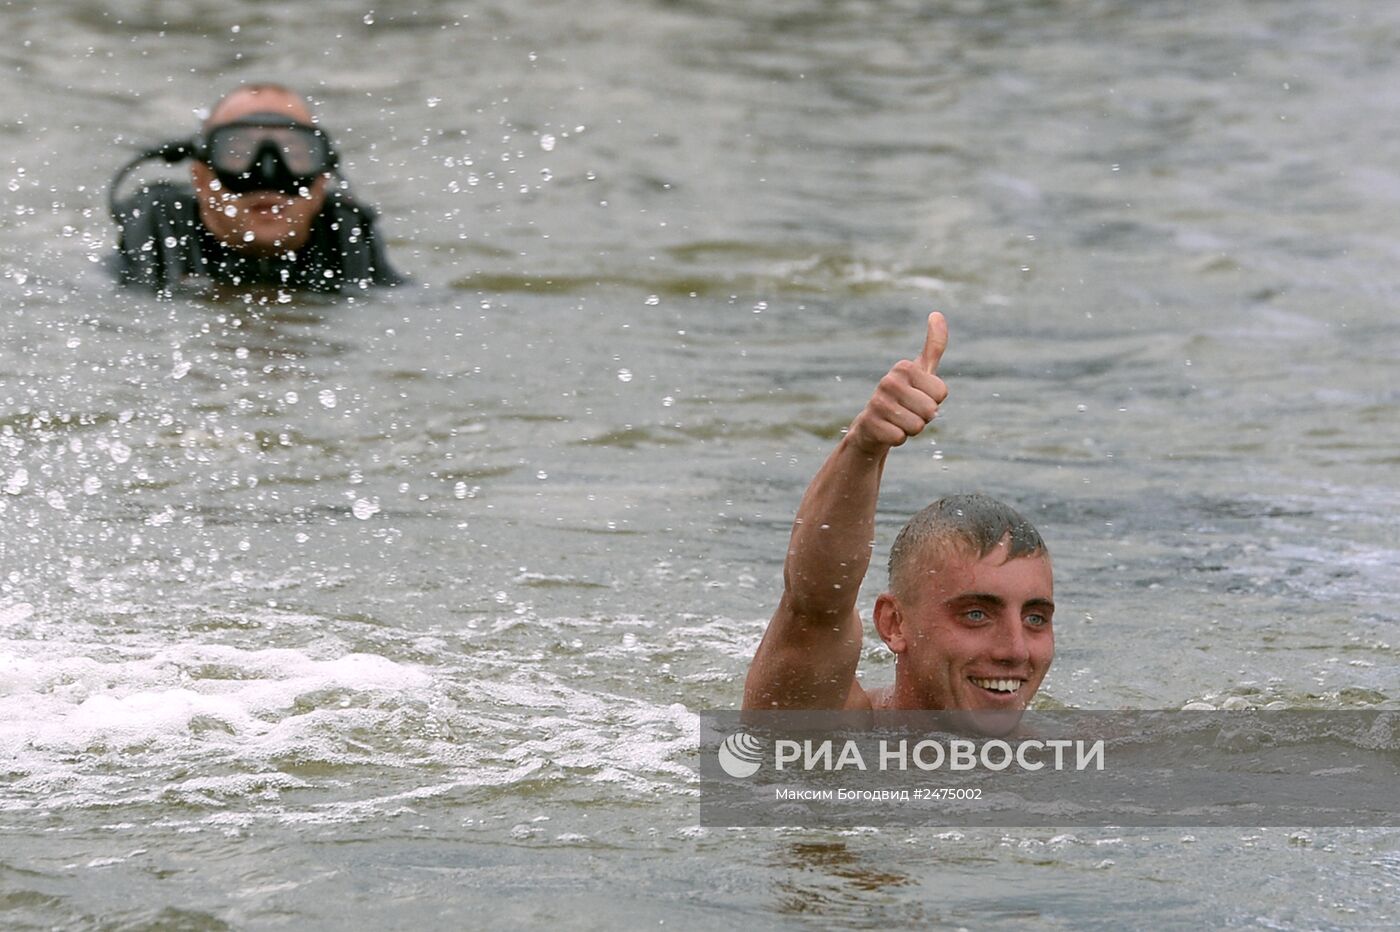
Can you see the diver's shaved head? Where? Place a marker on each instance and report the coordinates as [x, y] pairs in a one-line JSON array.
[[258, 97]]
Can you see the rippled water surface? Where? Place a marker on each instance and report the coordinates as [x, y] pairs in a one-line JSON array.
[[396, 611]]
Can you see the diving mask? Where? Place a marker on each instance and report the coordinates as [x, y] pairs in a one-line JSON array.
[[266, 152]]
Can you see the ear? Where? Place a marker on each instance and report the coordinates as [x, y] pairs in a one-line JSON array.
[[889, 623]]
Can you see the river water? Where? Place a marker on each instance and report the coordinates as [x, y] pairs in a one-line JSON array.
[[397, 611]]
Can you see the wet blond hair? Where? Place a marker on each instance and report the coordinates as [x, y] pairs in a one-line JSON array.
[[973, 524]]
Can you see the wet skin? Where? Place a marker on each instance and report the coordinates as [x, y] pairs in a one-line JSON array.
[[969, 621], [261, 222]]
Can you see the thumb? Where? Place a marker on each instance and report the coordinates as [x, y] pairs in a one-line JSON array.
[[935, 343]]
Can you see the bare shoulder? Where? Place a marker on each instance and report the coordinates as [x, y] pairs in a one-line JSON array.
[[878, 697], [859, 699]]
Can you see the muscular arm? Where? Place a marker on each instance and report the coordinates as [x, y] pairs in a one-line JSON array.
[[808, 656]]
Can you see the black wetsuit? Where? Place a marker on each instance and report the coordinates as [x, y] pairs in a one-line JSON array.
[[163, 245]]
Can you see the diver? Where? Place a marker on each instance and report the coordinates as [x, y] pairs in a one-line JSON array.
[[267, 207]]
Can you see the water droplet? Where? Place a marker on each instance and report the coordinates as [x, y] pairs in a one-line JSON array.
[[541, 475], [652, 300], [434, 101], [291, 398], [624, 375], [119, 452], [326, 397], [667, 401], [230, 211], [171, 242], [180, 370], [92, 485], [18, 481], [547, 142], [460, 490], [369, 18], [364, 509]]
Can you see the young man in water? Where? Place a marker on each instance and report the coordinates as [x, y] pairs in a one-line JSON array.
[[968, 611], [266, 208]]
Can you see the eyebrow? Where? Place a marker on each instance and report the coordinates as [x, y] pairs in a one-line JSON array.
[[985, 597], [996, 600]]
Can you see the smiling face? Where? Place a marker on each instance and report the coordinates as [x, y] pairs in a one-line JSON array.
[[971, 632], [258, 222]]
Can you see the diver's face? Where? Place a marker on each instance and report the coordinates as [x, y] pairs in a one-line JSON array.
[[258, 222], [977, 634]]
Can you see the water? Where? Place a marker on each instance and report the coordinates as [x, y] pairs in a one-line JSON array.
[[396, 612]]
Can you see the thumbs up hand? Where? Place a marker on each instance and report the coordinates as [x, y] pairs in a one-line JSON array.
[[906, 399]]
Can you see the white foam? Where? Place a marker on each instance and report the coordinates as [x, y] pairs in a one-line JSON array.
[[61, 698], [116, 715]]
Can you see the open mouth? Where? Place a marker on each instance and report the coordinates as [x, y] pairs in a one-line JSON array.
[[1002, 688]]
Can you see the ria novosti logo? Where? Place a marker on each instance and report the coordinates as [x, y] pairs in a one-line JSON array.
[[740, 755]]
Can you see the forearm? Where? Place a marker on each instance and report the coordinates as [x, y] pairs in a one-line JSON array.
[[833, 535]]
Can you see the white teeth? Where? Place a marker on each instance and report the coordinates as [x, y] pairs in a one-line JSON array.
[[1001, 686]]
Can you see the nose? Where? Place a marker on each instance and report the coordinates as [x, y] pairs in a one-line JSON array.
[[1009, 645]]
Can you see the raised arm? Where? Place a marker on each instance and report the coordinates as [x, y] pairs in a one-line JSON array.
[[808, 656]]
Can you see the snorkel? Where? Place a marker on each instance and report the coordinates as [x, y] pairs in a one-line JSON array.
[[171, 153]]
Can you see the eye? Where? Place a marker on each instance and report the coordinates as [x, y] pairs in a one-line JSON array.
[[975, 614], [1037, 621]]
